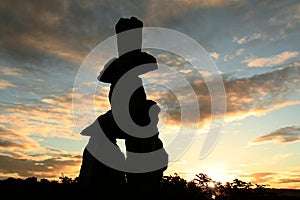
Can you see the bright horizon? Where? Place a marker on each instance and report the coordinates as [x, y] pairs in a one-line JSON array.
[[254, 44]]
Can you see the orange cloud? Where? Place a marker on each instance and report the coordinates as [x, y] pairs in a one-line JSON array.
[[274, 179]]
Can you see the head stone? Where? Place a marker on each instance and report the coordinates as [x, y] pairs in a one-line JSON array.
[[129, 35]]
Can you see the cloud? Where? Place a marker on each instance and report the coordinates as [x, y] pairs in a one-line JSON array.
[[8, 71], [238, 52], [288, 16], [12, 141], [48, 168], [214, 55], [62, 29], [56, 46], [22, 156], [278, 59], [40, 38], [262, 177], [53, 116], [277, 179], [5, 84], [261, 93], [245, 96], [247, 39], [289, 180], [282, 135], [212, 3], [165, 10]]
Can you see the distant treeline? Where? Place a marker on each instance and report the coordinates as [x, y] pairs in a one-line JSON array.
[[173, 187]]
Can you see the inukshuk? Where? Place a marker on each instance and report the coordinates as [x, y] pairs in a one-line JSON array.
[[130, 108]]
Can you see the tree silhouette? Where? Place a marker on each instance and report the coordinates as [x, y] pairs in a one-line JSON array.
[[202, 187]]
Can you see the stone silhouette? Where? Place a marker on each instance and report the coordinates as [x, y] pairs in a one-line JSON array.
[[129, 104], [96, 177]]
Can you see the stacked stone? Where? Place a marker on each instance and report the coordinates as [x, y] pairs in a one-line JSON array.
[[129, 104]]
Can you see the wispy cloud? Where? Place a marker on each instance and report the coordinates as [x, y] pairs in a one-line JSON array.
[[282, 135], [289, 180], [247, 39], [277, 59], [238, 52], [8, 71], [5, 84]]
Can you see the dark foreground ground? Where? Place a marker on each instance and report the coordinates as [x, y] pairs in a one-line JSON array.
[[287, 193], [173, 187]]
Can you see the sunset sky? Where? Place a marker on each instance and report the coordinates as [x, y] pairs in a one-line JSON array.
[[254, 44]]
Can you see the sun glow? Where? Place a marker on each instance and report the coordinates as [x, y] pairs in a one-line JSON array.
[[219, 175]]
